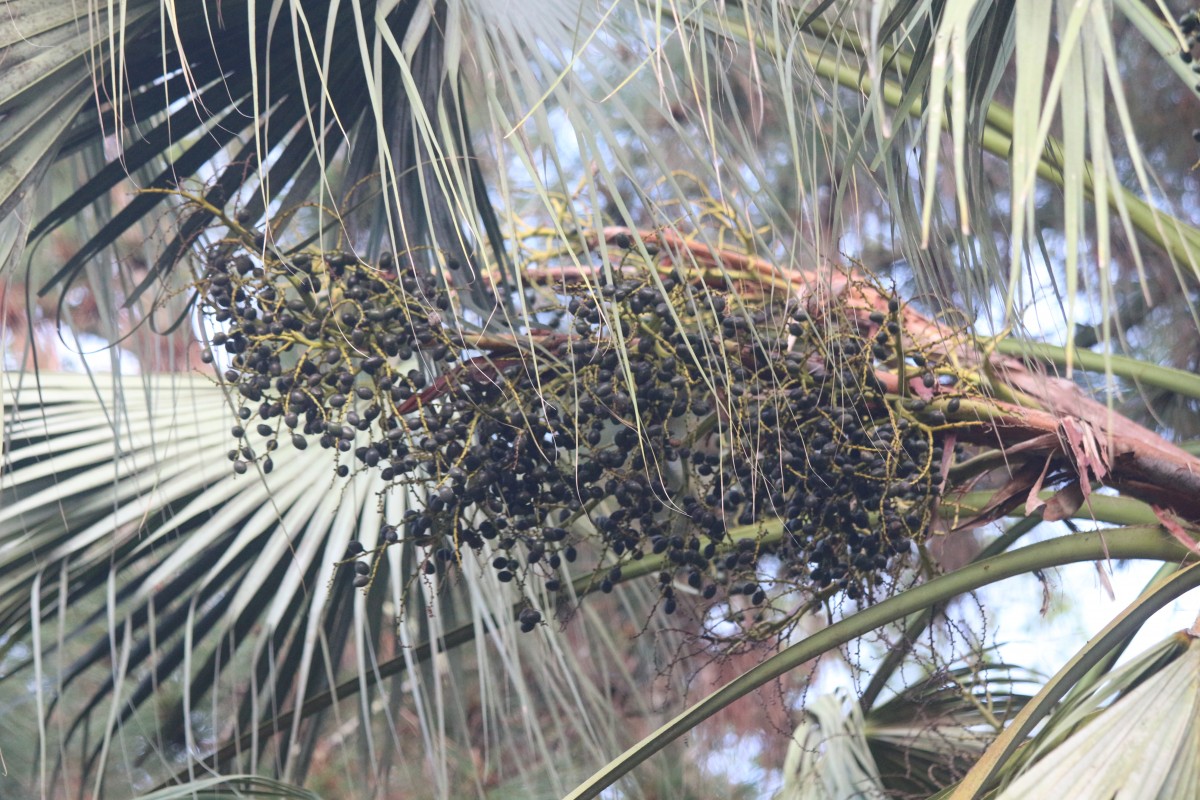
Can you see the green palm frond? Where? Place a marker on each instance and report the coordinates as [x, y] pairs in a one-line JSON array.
[[1084, 676], [262, 102], [1134, 731], [216, 564], [229, 590], [915, 744], [927, 736]]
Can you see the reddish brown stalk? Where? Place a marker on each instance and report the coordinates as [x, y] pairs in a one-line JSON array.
[[1067, 433]]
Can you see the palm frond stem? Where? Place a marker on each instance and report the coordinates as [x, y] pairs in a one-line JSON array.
[[1134, 542], [1174, 380], [915, 625], [1123, 626]]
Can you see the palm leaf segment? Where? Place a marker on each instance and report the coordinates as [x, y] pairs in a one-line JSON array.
[[270, 95], [204, 552], [261, 97], [232, 578]]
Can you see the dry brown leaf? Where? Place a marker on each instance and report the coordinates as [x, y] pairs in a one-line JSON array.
[[1005, 499], [1032, 501], [1105, 581], [1089, 453], [1065, 503], [947, 459], [1175, 527]]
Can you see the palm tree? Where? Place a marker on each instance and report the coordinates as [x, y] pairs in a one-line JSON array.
[[532, 361]]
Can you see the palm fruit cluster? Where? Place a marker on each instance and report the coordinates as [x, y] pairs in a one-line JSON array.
[[1189, 26], [749, 446]]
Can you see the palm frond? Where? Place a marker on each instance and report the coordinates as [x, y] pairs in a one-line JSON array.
[[1082, 547], [997, 760], [231, 787], [915, 744], [1136, 731], [927, 736], [229, 586], [961, 143], [829, 757]]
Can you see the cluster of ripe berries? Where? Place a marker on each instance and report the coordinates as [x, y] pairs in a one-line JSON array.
[[656, 417], [1189, 25]]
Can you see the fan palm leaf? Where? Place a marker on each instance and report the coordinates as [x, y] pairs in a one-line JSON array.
[[225, 572], [1144, 740], [914, 744]]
